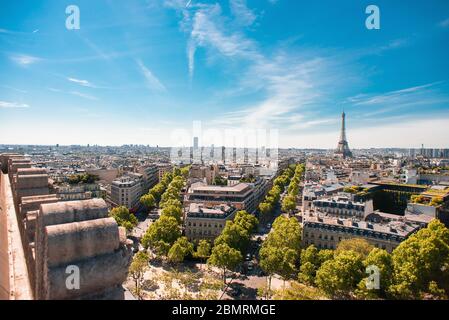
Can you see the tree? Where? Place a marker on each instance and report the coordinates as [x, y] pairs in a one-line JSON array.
[[137, 270], [234, 236], [265, 208], [339, 277], [246, 220], [161, 235], [420, 260], [307, 273], [220, 181], [180, 249], [289, 203], [124, 218], [185, 171], [203, 249], [311, 261], [324, 255], [279, 253], [172, 211], [270, 259], [382, 260], [171, 202], [176, 171], [286, 232], [148, 200], [225, 257], [359, 245]]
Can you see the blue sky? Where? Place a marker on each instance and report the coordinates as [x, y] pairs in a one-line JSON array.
[[137, 70]]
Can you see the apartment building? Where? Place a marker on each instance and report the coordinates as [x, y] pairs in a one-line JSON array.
[[207, 173], [203, 221], [325, 231], [127, 190], [162, 169], [342, 206], [150, 175], [240, 196]]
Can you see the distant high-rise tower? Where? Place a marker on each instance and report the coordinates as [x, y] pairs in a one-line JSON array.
[[195, 143], [223, 154], [343, 147]]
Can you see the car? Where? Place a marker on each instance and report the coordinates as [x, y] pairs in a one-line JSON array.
[[259, 240], [250, 266], [236, 292], [268, 225], [248, 257]]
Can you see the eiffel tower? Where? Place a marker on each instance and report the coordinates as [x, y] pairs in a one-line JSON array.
[[343, 147]]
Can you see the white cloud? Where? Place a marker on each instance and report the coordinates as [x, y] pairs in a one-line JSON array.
[[6, 104], [24, 60], [81, 82], [152, 81], [83, 95], [242, 13], [423, 95]]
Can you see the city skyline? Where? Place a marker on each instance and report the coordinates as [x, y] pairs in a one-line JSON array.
[[134, 71]]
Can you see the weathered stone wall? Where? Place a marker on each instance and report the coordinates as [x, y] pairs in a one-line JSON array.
[[78, 233], [14, 277], [40, 237], [80, 240], [4, 248]]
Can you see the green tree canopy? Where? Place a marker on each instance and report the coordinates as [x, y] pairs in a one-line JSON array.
[[359, 245], [289, 203], [180, 249], [124, 218], [421, 263], [381, 260], [172, 211], [234, 236], [203, 249], [246, 220], [339, 277], [265, 208], [137, 269], [225, 257], [148, 200], [161, 235]]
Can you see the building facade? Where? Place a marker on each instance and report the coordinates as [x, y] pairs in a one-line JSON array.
[[206, 222], [240, 196], [127, 190]]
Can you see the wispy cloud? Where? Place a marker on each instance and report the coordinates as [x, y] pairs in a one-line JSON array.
[[208, 29], [24, 60], [289, 82], [14, 89], [75, 93], [242, 13], [444, 23], [153, 83], [81, 82], [7, 104], [83, 95], [423, 95]]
